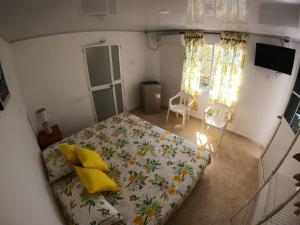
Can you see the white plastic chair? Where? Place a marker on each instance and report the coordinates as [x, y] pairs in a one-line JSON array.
[[217, 115], [183, 108]]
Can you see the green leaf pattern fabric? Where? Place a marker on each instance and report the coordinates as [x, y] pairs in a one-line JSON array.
[[155, 169], [79, 207], [192, 65]]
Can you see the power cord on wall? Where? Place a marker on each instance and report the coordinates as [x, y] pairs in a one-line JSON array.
[[285, 42]]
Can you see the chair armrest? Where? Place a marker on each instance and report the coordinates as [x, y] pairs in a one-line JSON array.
[[171, 99], [205, 112], [207, 109], [229, 117], [191, 103]]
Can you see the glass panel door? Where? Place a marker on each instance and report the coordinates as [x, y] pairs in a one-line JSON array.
[[119, 97], [117, 80], [104, 73], [104, 103], [116, 61], [297, 84], [98, 65], [291, 108], [295, 124], [292, 111]]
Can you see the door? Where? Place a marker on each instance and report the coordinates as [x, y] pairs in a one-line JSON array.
[[105, 80]]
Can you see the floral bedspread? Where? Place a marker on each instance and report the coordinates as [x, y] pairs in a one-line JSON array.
[[156, 170]]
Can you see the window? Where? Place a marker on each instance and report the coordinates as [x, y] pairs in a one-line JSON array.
[[208, 53], [211, 55], [292, 112]]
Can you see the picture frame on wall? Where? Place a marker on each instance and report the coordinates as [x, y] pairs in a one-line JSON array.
[[4, 91]]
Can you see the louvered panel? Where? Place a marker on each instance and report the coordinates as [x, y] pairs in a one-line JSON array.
[[98, 7], [281, 187]]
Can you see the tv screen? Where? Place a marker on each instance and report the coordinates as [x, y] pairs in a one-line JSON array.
[[276, 58]]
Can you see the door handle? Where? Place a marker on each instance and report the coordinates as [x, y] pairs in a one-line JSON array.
[[111, 85]]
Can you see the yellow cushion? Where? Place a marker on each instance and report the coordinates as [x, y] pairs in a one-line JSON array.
[[69, 153], [95, 180], [91, 159]]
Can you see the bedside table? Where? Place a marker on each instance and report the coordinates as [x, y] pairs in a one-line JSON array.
[[46, 140]]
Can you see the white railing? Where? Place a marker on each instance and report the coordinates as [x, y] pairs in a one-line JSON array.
[[244, 219]]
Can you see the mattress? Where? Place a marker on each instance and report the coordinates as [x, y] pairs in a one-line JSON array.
[[155, 169]]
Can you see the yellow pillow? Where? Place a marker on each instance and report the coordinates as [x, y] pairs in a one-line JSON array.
[[95, 180], [69, 153], [91, 159]]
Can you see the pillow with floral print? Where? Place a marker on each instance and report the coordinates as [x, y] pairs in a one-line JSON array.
[[55, 163]]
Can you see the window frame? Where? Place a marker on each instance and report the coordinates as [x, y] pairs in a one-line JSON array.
[[211, 60], [294, 115]]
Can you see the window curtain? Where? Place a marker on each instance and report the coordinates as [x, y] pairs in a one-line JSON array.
[[229, 62], [192, 65]]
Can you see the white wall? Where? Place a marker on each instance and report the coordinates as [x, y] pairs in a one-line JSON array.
[[152, 58], [171, 58], [262, 94], [51, 72], [25, 196]]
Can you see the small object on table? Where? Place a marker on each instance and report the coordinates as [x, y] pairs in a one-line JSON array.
[[43, 117], [45, 139]]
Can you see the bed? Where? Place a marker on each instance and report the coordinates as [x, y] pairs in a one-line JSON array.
[[155, 169]]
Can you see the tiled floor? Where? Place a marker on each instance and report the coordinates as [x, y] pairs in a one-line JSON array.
[[227, 183]]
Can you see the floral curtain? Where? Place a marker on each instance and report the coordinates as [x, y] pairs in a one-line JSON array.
[[192, 65], [229, 62]]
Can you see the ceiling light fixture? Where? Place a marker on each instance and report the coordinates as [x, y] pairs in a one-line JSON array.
[[228, 11], [164, 12]]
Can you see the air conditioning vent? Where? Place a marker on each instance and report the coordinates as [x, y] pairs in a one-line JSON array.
[[98, 7], [173, 39]]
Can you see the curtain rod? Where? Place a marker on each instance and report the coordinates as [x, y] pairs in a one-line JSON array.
[[219, 32], [205, 32]]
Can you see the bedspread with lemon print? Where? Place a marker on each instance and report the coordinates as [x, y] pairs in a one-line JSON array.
[[155, 169]]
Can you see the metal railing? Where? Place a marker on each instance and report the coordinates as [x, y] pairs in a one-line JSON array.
[[253, 197]]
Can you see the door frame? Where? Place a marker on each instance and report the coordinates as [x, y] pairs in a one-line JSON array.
[[105, 86]]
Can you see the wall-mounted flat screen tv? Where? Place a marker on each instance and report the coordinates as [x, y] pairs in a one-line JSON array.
[[276, 58]]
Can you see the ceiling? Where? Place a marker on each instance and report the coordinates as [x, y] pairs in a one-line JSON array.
[[21, 19]]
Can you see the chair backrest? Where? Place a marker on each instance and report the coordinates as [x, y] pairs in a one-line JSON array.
[[185, 98], [218, 110]]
